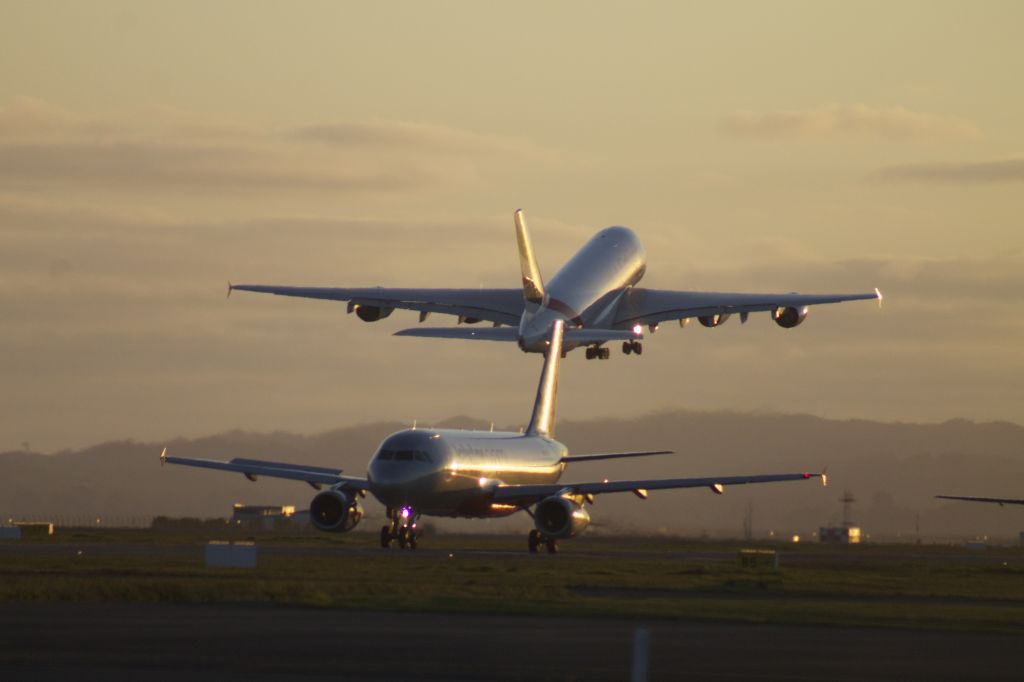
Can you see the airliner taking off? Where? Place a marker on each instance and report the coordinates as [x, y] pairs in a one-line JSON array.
[[595, 293], [477, 474]]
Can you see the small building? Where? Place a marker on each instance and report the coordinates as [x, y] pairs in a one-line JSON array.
[[34, 529], [266, 517], [842, 535]]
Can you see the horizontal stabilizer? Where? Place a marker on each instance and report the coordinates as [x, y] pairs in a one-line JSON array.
[[482, 334], [613, 455]]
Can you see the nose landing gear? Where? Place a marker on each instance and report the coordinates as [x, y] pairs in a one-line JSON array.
[[402, 527]]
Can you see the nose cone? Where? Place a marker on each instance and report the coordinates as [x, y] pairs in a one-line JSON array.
[[402, 465]]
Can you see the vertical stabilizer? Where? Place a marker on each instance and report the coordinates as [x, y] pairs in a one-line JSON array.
[[533, 285], [542, 423]]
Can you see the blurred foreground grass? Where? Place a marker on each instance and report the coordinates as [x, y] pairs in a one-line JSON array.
[[882, 585]]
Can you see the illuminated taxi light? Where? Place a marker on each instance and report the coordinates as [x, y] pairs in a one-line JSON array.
[[483, 481], [637, 329], [405, 512]]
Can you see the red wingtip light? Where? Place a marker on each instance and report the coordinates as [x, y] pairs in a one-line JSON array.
[[807, 475]]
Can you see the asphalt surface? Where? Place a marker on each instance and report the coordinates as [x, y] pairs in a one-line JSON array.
[[80, 641]]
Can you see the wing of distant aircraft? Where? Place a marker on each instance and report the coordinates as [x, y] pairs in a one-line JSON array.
[[995, 500], [525, 495], [501, 306], [253, 468], [651, 306]]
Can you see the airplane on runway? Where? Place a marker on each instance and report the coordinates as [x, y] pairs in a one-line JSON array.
[[477, 474], [994, 500], [595, 293]]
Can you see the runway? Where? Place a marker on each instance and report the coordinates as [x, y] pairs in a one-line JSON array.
[[89, 641]]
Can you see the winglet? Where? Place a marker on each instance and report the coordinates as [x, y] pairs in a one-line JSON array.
[[230, 287], [542, 422], [824, 477], [533, 284], [879, 295], [163, 456]]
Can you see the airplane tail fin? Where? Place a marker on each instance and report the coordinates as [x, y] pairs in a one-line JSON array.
[[542, 422], [533, 284]]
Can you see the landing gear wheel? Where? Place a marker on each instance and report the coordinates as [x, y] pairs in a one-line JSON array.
[[604, 353], [590, 353], [552, 546], [385, 537], [535, 540], [412, 538], [627, 347], [638, 348], [403, 538]]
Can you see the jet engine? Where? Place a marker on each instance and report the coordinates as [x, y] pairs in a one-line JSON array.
[[713, 320], [789, 316], [560, 517], [372, 313], [335, 511]]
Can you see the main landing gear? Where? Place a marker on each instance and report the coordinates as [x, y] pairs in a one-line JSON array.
[[537, 539], [402, 527], [596, 352], [632, 347]]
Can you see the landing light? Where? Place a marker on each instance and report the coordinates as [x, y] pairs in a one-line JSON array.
[[483, 481], [637, 329], [405, 512]]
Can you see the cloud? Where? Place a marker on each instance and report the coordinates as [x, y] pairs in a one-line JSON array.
[[130, 165], [848, 121], [979, 172], [45, 147]]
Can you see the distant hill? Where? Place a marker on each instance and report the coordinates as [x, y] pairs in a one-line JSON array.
[[893, 470]]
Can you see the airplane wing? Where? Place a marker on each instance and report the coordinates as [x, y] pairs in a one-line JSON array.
[[525, 495], [253, 468], [613, 455], [995, 500], [650, 306], [504, 306]]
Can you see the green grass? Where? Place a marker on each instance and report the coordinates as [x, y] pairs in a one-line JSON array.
[[878, 586]]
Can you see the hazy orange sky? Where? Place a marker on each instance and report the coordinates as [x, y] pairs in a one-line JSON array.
[[149, 153]]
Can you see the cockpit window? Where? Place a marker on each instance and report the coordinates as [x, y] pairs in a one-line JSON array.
[[422, 456], [404, 455], [386, 454]]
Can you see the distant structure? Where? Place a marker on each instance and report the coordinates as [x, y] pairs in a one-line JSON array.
[[848, 533], [34, 529], [266, 517]]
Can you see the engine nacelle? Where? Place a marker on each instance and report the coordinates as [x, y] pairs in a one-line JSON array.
[[334, 511], [372, 313], [713, 320], [560, 517], [789, 316]]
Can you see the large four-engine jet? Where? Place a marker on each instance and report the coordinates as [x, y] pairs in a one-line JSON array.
[[477, 474], [595, 294]]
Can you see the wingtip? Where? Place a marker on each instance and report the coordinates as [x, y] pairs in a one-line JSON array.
[[230, 288], [878, 294], [163, 456]]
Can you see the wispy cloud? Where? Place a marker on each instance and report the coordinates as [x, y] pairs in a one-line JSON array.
[[1004, 170], [837, 121]]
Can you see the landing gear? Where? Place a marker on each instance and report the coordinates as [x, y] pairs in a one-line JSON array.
[[403, 527], [632, 347], [598, 353], [536, 539]]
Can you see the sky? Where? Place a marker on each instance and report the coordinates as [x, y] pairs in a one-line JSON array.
[[150, 153]]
